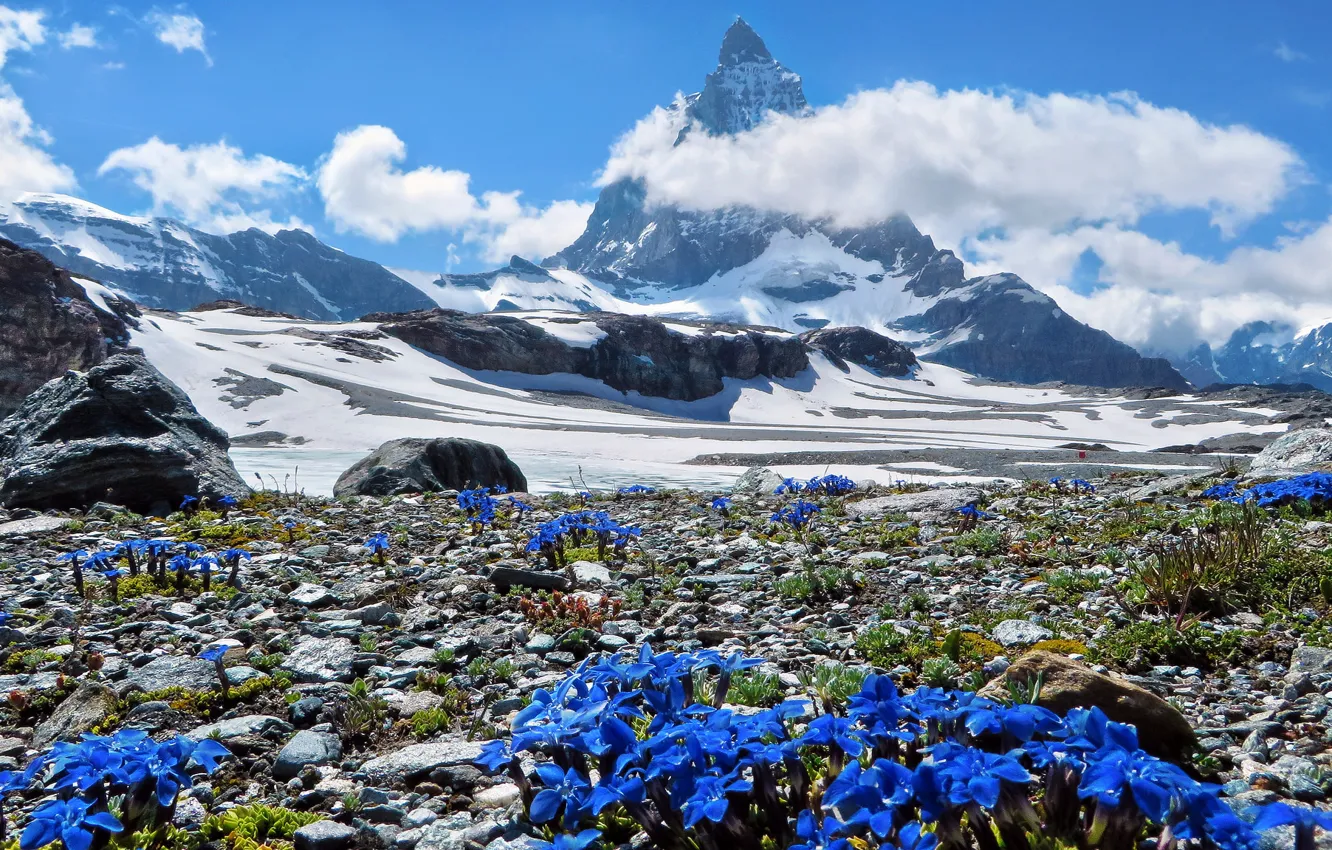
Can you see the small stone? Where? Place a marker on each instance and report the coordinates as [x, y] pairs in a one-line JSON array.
[[497, 796], [306, 748], [324, 835], [1020, 633]]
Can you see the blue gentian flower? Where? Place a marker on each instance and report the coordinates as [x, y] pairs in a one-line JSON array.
[[67, 821]]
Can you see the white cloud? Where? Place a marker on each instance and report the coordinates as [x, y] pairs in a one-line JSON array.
[[20, 30], [1286, 53], [961, 162], [210, 186], [366, 190], [79, 35], [25, 165], [180, 30], [1156, 294]]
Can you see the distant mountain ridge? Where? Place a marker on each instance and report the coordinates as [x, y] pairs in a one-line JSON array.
[[162, 263], [1265, 353], [737, 265]]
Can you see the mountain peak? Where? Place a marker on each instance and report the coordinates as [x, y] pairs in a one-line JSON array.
[[742, 44]]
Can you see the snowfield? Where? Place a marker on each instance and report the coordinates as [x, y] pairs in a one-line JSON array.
[[345, 388]]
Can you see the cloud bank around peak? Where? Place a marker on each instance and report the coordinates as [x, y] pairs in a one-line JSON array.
[[1022, 182]]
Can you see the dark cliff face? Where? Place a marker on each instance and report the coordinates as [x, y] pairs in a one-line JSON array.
[[1006, 330], [48, 325], [863, 347], [637, 353]]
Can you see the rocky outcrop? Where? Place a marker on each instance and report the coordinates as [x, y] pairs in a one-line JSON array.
[[863, 347], [121, 433], [429, 466], [1005, 329], [676, 360], [48, 325], [1067, 684], [1299, 451]]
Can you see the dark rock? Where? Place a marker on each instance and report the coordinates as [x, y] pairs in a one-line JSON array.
[[306, 748], [119, 432], [1066, 684], [636, 354], [172, 670], [48, 325], [864, 348], [505, 577], [416, 465], [90, 703], [305, 711]]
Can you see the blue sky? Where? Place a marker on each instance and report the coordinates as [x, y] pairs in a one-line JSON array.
[[531, 99]]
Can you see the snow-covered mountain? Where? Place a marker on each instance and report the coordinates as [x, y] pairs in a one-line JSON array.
[[163, 263], [756, 267], [1265, 353]]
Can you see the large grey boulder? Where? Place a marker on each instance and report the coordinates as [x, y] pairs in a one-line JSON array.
[[925, 505], [758, 480], [120, 432], [416, 465], [1298, 451]]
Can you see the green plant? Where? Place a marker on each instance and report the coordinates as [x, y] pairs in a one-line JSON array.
[[1142, 644], [886, 647], [982, 541], [368, 642], [364, 714], [255, 826], [444, 657], [755, 689], [430, 721], [940, 672]]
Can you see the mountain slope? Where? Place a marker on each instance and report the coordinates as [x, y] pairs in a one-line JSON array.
[[163, 263], [746, 265], [1266, 353]]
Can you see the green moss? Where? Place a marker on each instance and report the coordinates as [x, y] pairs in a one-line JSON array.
[[252, 827], [1059, 646]]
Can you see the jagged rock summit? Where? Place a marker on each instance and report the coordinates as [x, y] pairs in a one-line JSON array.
[[120, 432], [756, 266]]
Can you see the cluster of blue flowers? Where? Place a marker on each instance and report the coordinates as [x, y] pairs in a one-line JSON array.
[[636, 490], [797, 515], [155, 557], [1310, 487], [828, 485], [576, 527], [628, 749], [126, 782], [479, 505]]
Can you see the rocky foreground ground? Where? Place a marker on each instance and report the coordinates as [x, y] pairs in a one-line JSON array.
[[361, 685]]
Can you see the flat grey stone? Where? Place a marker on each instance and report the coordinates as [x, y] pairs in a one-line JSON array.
[[256, 725], [419, 760], [1020, 633], [32, 525], [587, 572], [313, 596], [320, 660], [90, 703], [506, 577], [324, 835], [306, 748], [1309, 660], [928, 504], [169, 671]]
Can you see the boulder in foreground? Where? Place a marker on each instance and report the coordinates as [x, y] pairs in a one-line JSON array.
[[120, 432], [1299, 451], [417, 465], [1066, 684]]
